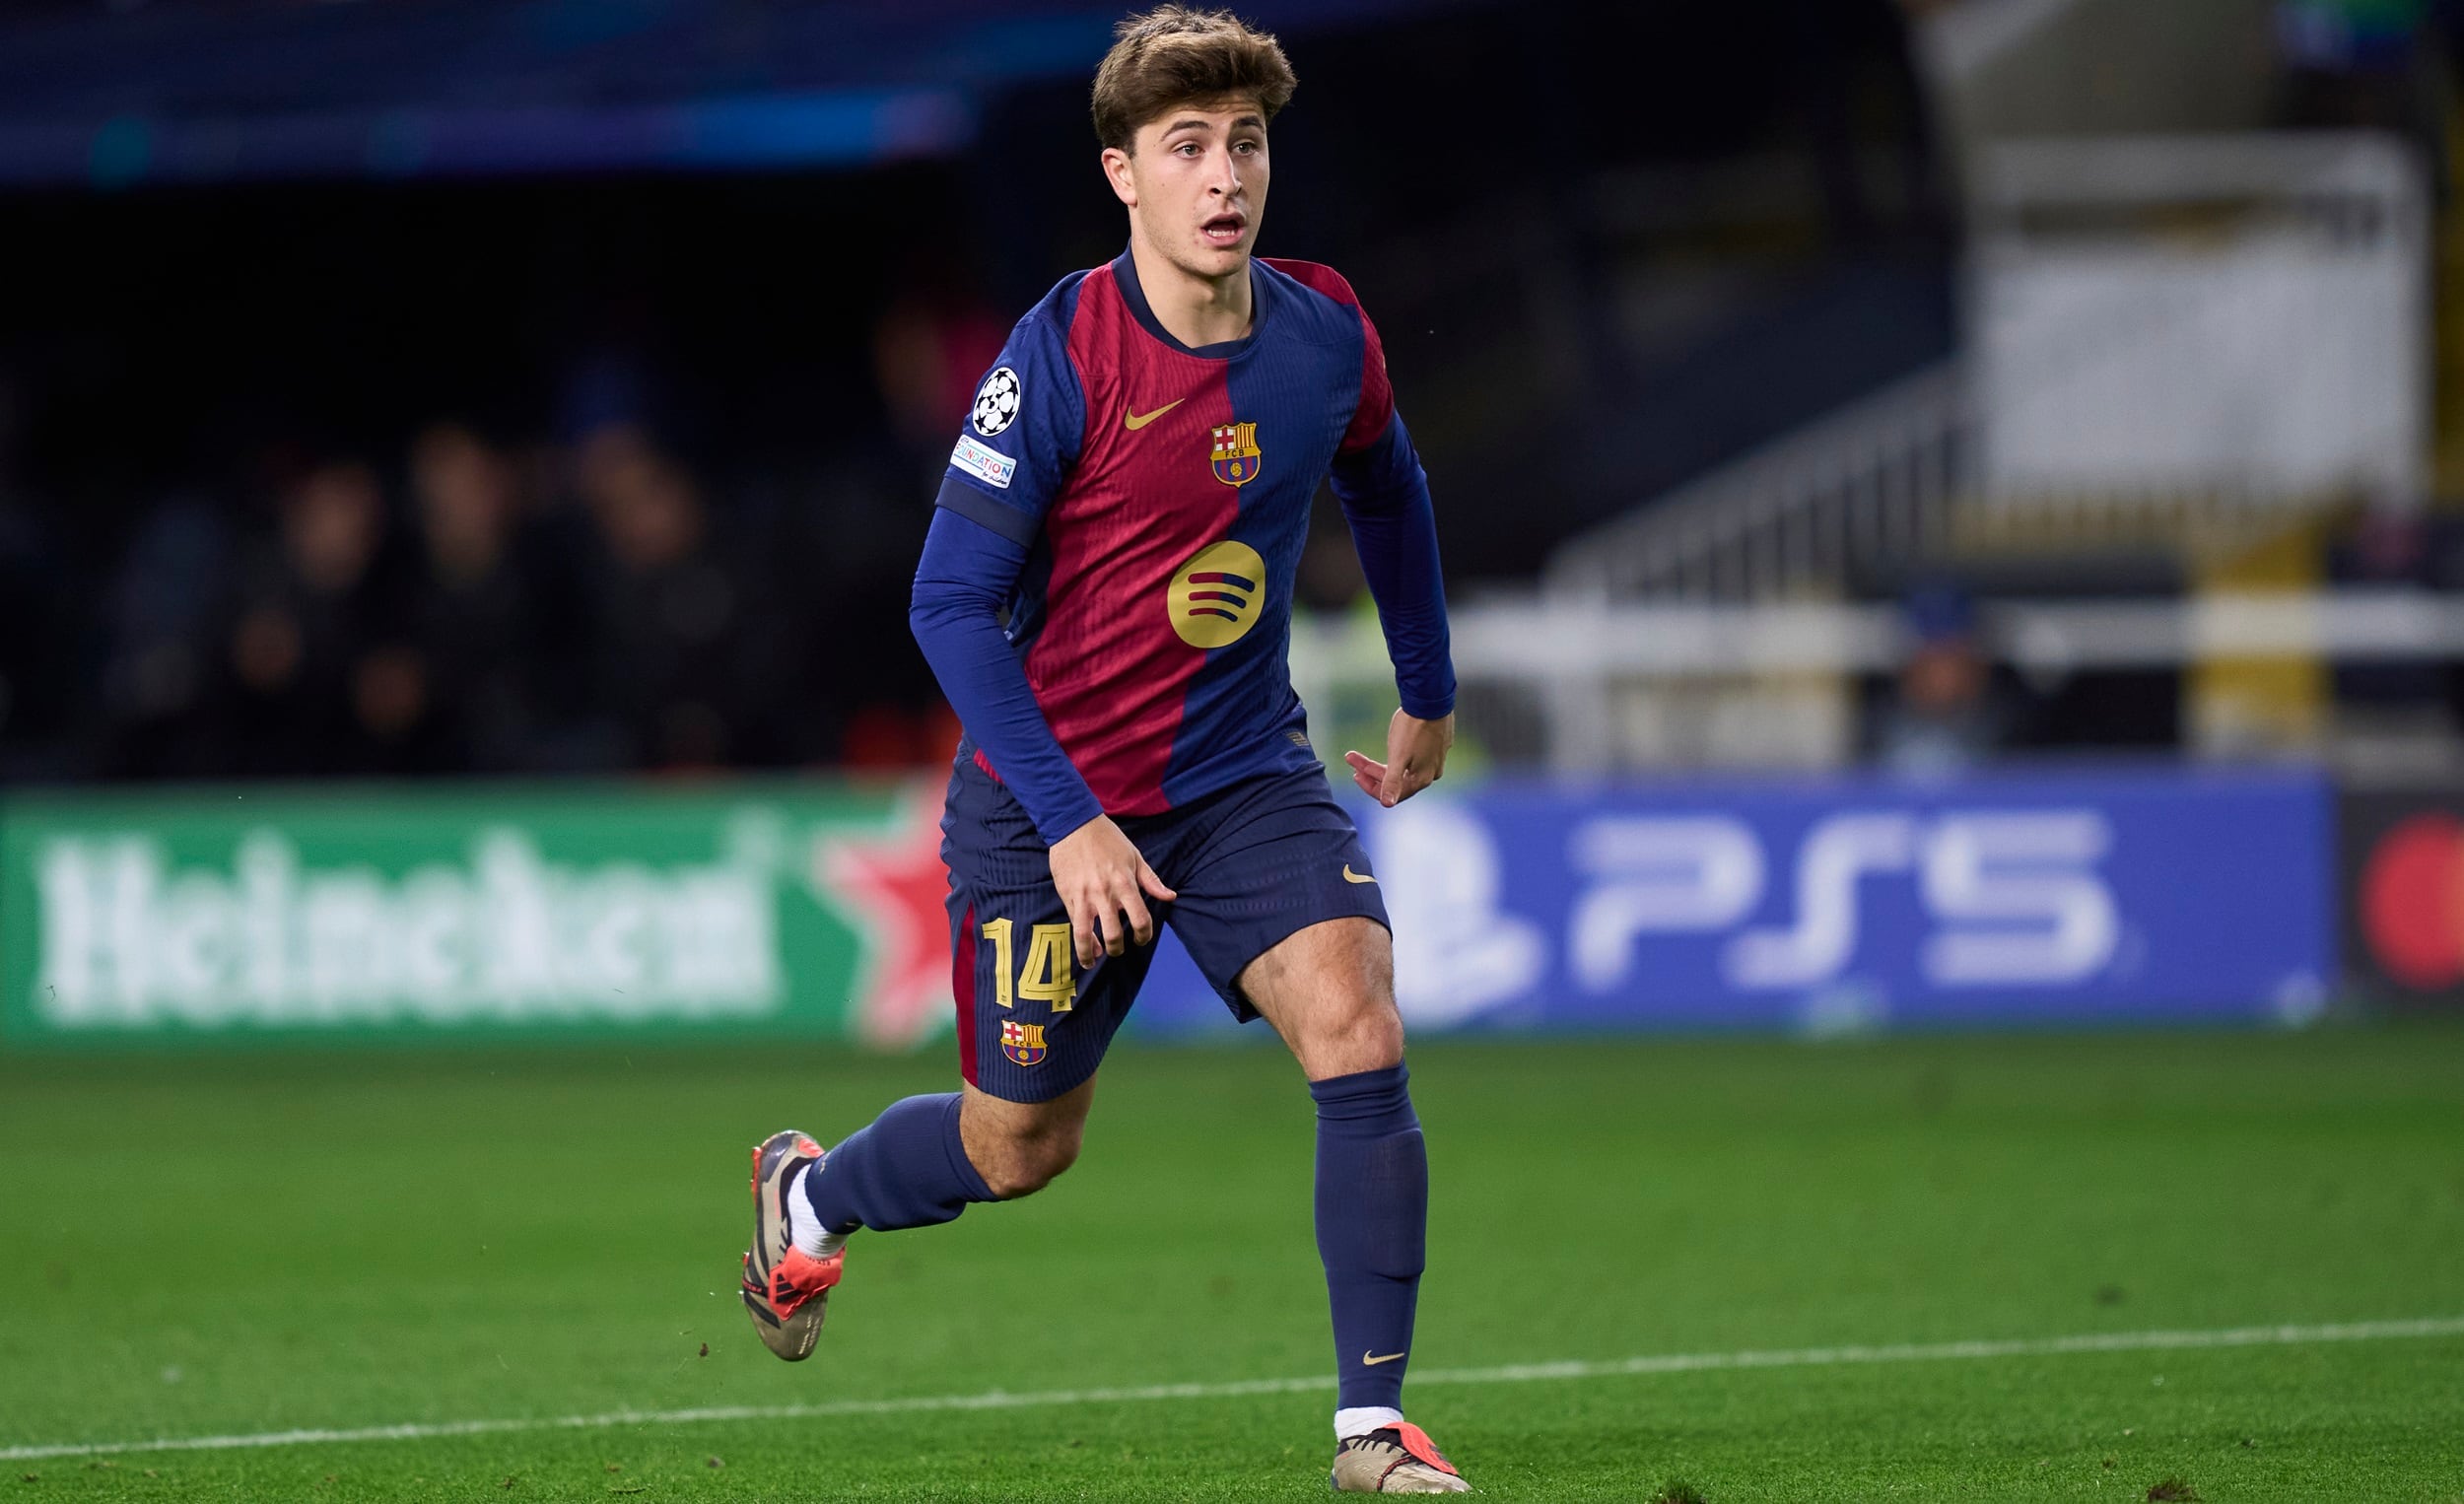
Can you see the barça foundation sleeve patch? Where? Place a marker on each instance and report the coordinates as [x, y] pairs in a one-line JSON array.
[[984, 464]]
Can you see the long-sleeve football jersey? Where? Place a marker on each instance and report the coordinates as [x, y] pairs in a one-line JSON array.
[[1135, 509]]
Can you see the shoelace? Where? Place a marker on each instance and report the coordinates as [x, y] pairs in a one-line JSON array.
[[1389, 1442]]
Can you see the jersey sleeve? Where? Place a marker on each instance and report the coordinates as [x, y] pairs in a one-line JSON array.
[[1374, 411], [1376, 476], [1021, 436], [965, 577]]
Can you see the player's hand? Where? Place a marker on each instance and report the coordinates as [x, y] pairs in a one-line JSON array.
[[1102, 881], [1415, 758]]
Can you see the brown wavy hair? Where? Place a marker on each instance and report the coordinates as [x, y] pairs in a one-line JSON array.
[[1181, 55]]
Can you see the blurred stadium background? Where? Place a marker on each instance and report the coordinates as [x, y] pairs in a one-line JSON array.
[[1954, 510], [549, 395]]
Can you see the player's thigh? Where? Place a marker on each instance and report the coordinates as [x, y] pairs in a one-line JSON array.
[[1032, 1024], [1280, 910], [1328, 991]]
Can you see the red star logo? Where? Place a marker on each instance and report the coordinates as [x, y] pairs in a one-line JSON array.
[[894, 884]]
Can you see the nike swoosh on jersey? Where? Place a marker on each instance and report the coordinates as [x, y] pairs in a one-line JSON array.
[[1351, 876], [1374, 1359], [1135, 420]]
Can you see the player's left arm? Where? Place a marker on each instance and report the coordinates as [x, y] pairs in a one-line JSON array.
[[1385, 493]]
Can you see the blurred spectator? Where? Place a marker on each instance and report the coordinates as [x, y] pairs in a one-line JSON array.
[[162, 617], [674, 620], [1947, 714], [326, 679], [471, 616]]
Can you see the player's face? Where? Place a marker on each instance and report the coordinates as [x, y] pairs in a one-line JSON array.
[[1196, 185]]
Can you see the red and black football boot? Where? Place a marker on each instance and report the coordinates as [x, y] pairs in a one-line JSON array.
[[785, 1290], [1395, 1458]]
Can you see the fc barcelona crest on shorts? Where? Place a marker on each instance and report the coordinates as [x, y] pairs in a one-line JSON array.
[[1236, 454], [1022, 1043]]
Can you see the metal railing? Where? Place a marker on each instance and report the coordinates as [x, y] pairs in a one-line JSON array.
[[1872, 483], [1586, 687], [2265, 360]]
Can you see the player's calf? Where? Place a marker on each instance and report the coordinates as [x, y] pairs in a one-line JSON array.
[[1328, 991]]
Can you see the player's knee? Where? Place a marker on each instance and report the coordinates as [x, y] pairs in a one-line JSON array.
[[1368, 1036], [1029, 1162], [1375, 1034]]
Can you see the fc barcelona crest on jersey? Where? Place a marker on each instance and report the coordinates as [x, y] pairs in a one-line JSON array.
[[1236, 454], [1022, 1043]]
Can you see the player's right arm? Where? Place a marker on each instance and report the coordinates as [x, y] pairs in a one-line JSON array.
[[1010, 462]]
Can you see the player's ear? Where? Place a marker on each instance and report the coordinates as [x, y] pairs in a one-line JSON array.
[[1116, 173]]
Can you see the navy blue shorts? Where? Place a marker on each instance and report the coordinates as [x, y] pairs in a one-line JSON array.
[[1252, 864]]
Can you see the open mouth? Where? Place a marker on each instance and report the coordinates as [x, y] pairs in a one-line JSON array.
[[1223, 228]]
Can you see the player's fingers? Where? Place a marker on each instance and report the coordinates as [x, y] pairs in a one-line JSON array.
[[1141, 921], [1368, 774], [1084, 938], [1110, 914], [1154, 885]]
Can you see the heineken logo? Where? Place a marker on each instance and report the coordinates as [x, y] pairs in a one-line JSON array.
[[127, 938]]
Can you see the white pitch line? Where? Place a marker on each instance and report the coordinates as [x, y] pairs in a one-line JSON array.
[[1512, 1373]]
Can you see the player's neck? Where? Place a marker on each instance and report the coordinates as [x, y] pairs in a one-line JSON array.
[[1196, 310]]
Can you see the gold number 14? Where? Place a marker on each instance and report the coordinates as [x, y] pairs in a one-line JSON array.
[[1049, 979]]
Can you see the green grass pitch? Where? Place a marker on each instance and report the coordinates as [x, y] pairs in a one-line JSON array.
[[232, 1245]]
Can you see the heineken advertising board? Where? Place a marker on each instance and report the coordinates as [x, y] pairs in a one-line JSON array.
[[781, 910]]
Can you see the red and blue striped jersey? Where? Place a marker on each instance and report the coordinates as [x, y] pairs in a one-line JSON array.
[[1160, 496]]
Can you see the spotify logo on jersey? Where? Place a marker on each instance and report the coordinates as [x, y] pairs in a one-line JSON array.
[[1216, 596]]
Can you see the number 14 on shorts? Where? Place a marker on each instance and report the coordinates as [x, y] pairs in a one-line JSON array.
[[1048, 977]]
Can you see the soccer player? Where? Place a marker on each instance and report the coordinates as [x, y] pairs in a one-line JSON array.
[[1105, 597]]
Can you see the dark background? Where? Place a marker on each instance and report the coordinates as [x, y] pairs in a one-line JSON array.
[[1609, 245]]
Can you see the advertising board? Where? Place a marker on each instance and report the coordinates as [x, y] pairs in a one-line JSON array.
[[1848, 903], [2402, 894], [261, 914], [815, 910]]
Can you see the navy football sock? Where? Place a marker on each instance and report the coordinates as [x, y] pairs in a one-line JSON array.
[[906, 1169], [1373, 1215]]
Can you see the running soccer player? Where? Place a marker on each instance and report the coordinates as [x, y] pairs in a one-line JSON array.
[[1131, 495]]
